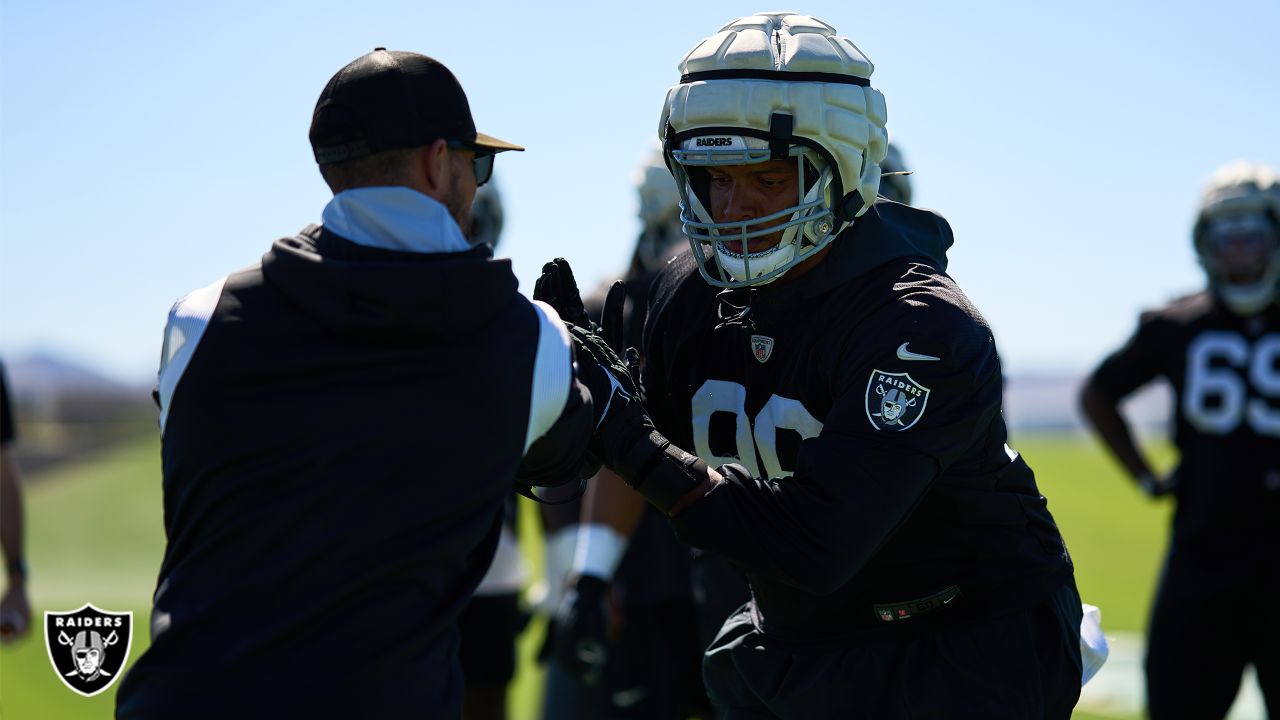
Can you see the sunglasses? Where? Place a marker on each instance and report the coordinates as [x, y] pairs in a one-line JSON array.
[[481, 164]]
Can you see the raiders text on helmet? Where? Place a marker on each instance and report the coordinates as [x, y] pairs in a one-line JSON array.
[[775, 86], [1237, 235]]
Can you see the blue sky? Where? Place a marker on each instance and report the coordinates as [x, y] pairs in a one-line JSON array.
[[148, 148]]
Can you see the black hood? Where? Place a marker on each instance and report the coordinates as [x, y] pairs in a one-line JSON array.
[[886, 231], [354, 288]]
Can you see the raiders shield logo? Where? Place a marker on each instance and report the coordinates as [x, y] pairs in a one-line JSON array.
[[88, 647], [894, 401], [761, 347]]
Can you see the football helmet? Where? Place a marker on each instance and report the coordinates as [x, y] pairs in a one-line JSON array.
[[1237, 236], [486, 216], [895, 180], [766, 87], [659, 213]]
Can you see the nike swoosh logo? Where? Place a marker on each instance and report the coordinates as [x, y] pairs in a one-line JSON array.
[[905, 354], [614, 389]]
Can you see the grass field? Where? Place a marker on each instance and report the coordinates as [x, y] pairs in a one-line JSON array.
[[95, 535]]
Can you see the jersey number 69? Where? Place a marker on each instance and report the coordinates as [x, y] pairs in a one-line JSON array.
[[1216, 398]]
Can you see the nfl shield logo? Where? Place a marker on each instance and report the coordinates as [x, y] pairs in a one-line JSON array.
[[894, 401], [88, 647], [761, 347]]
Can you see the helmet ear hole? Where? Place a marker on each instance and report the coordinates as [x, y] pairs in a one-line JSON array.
[[850, 206]]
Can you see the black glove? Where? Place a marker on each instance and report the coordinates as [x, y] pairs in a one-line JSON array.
[[625, 438], [582, 630], [597, 349], [1156, 486], [621, 420], [557, 288]]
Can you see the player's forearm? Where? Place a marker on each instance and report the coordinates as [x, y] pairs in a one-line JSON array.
[[1103, 415], [610, 513], [666, 476], [753, 523], [817, 529], [610, 502]]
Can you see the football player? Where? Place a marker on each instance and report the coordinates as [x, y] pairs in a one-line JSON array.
[[1220, 350], [612, 513], [627, 640], [822, 408]]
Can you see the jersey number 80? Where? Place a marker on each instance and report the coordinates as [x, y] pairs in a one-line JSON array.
[[750, 435]]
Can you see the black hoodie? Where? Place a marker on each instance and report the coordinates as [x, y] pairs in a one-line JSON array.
[[335, 460]]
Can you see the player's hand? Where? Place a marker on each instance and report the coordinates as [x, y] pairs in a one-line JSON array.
[[610, 331], [582, 630], [15, 614], [557, 287], [1155, 486], [623, 437]]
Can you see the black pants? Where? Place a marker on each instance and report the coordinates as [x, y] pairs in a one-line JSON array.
[[1198, 646], [1019, 666]]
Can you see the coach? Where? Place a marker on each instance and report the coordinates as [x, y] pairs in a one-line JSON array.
[[341, 423]]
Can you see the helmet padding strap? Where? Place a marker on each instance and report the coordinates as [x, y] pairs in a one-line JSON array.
[[780, 135]]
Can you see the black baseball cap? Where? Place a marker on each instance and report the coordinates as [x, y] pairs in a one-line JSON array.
[[388, 100]]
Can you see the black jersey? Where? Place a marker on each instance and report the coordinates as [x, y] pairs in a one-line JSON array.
[[1225, 373], [865, 400]]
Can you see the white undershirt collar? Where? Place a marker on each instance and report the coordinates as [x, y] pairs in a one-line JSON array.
[[394, 218]]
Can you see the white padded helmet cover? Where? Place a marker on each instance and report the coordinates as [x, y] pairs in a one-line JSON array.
[[847, 120]]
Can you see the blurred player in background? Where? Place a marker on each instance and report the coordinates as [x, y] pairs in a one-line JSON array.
[[1220, 350], [494, 618], [15, 607], [627, 643]]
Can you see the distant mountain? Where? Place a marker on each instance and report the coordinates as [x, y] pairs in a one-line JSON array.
[[42, 377]]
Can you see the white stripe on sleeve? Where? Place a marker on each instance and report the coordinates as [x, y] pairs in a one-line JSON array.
[[187, 322], [552, 373]]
